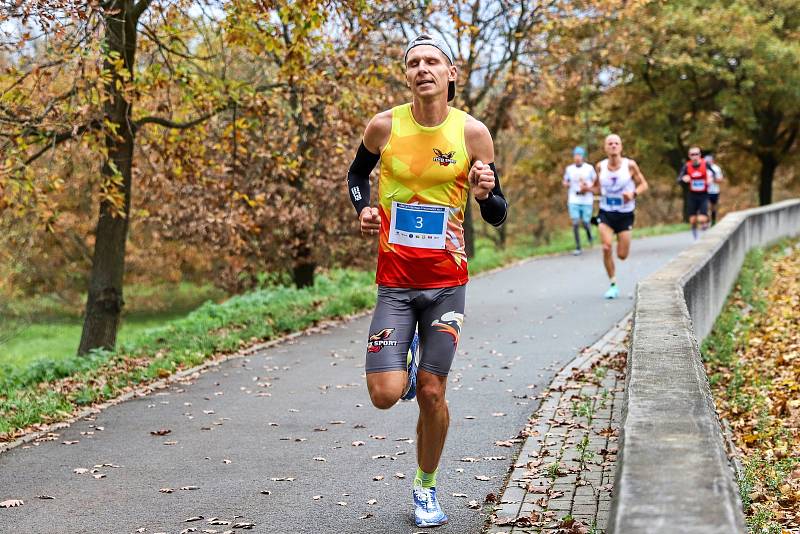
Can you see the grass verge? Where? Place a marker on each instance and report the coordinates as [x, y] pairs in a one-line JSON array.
[[45, 389], [753, 365]]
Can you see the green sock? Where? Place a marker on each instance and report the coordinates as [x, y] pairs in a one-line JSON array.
[[426, 480]]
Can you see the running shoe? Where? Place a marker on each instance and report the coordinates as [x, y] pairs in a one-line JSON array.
[[612, 293], [413, 362], [427, 512], [577, 252]]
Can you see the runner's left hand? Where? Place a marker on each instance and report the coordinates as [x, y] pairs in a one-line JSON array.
[[481, 177], [627, 196]]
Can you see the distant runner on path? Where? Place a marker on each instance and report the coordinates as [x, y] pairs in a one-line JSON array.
[[698, 176], [577, 178], [432, 158], [619, 181], [714, 187]]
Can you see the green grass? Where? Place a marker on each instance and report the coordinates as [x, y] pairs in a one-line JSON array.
[[163, 342], [731, 333]]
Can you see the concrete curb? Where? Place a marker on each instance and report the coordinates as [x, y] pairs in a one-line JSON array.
[[673, 474]]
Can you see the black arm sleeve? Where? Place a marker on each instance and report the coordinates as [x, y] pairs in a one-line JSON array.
[[358, 177], [494, 208], [681, 173]]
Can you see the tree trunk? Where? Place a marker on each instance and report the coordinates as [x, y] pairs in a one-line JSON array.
[[766, 174], [304, 265], [469, 230], [104, 303]]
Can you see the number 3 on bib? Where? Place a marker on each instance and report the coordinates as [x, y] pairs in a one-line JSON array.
[[418, 225]]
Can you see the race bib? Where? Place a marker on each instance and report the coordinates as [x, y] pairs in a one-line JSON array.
[[614, 200], [418, 225], [698, 185]]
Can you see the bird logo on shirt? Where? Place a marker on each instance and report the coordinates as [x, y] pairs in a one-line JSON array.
[[444, 158]]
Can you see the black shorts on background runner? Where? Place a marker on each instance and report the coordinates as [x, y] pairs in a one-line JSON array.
[[713, 198], [698, 203], [619, 222]]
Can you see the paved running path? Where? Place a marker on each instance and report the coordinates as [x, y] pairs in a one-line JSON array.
[[522, 325]]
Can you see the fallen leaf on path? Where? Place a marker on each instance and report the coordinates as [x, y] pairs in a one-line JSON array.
[[11, 503], [80, 471], [503, 443], [358, 443], [399, 475], [189, 488], [341, 503], [365, 516], [160, 432], [244, 525], [195, 518], [45, 497], [70, 442], [320, 459], [482, 477], [372, 501], [166, 490], [377, 478], [459, 495], [282, 479], [473, 504], [170, 443], [265, 492], [470, 459], [317, 497]]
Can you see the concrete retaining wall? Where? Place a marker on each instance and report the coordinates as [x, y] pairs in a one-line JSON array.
[[673, 475]]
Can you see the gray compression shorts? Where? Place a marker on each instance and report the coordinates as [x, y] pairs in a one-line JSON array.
[[437, 314]]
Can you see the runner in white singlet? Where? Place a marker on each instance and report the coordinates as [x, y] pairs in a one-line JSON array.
[[619, 181]]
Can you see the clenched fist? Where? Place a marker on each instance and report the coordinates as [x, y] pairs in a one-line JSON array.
[[370, 221], [481, 178]]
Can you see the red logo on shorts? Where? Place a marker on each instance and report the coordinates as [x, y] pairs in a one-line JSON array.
[[381, 339]]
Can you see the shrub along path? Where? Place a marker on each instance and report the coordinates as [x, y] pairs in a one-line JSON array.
[[286, 438]]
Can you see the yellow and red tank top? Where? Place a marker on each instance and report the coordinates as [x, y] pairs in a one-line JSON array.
[[425, 166]]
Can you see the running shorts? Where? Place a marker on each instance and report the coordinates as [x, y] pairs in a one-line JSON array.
[[698, 203], [713, 198], [619, 222], [437, 314], [580, 211]]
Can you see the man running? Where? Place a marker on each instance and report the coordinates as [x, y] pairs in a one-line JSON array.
[[713, 187], [578, 177], [619, 181], [432, 158], [697, 175]]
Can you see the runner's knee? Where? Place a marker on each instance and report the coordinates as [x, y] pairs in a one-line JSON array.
[[622, 254], [430, 395], [383, 398], [607, 248]]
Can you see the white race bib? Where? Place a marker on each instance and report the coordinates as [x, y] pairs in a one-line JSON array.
[[418, 225]]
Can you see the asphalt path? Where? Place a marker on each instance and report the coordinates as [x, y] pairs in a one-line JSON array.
[[287, 439]]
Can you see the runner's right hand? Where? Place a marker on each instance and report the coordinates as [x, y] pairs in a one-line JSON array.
[[370, 221], [686, 178]]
